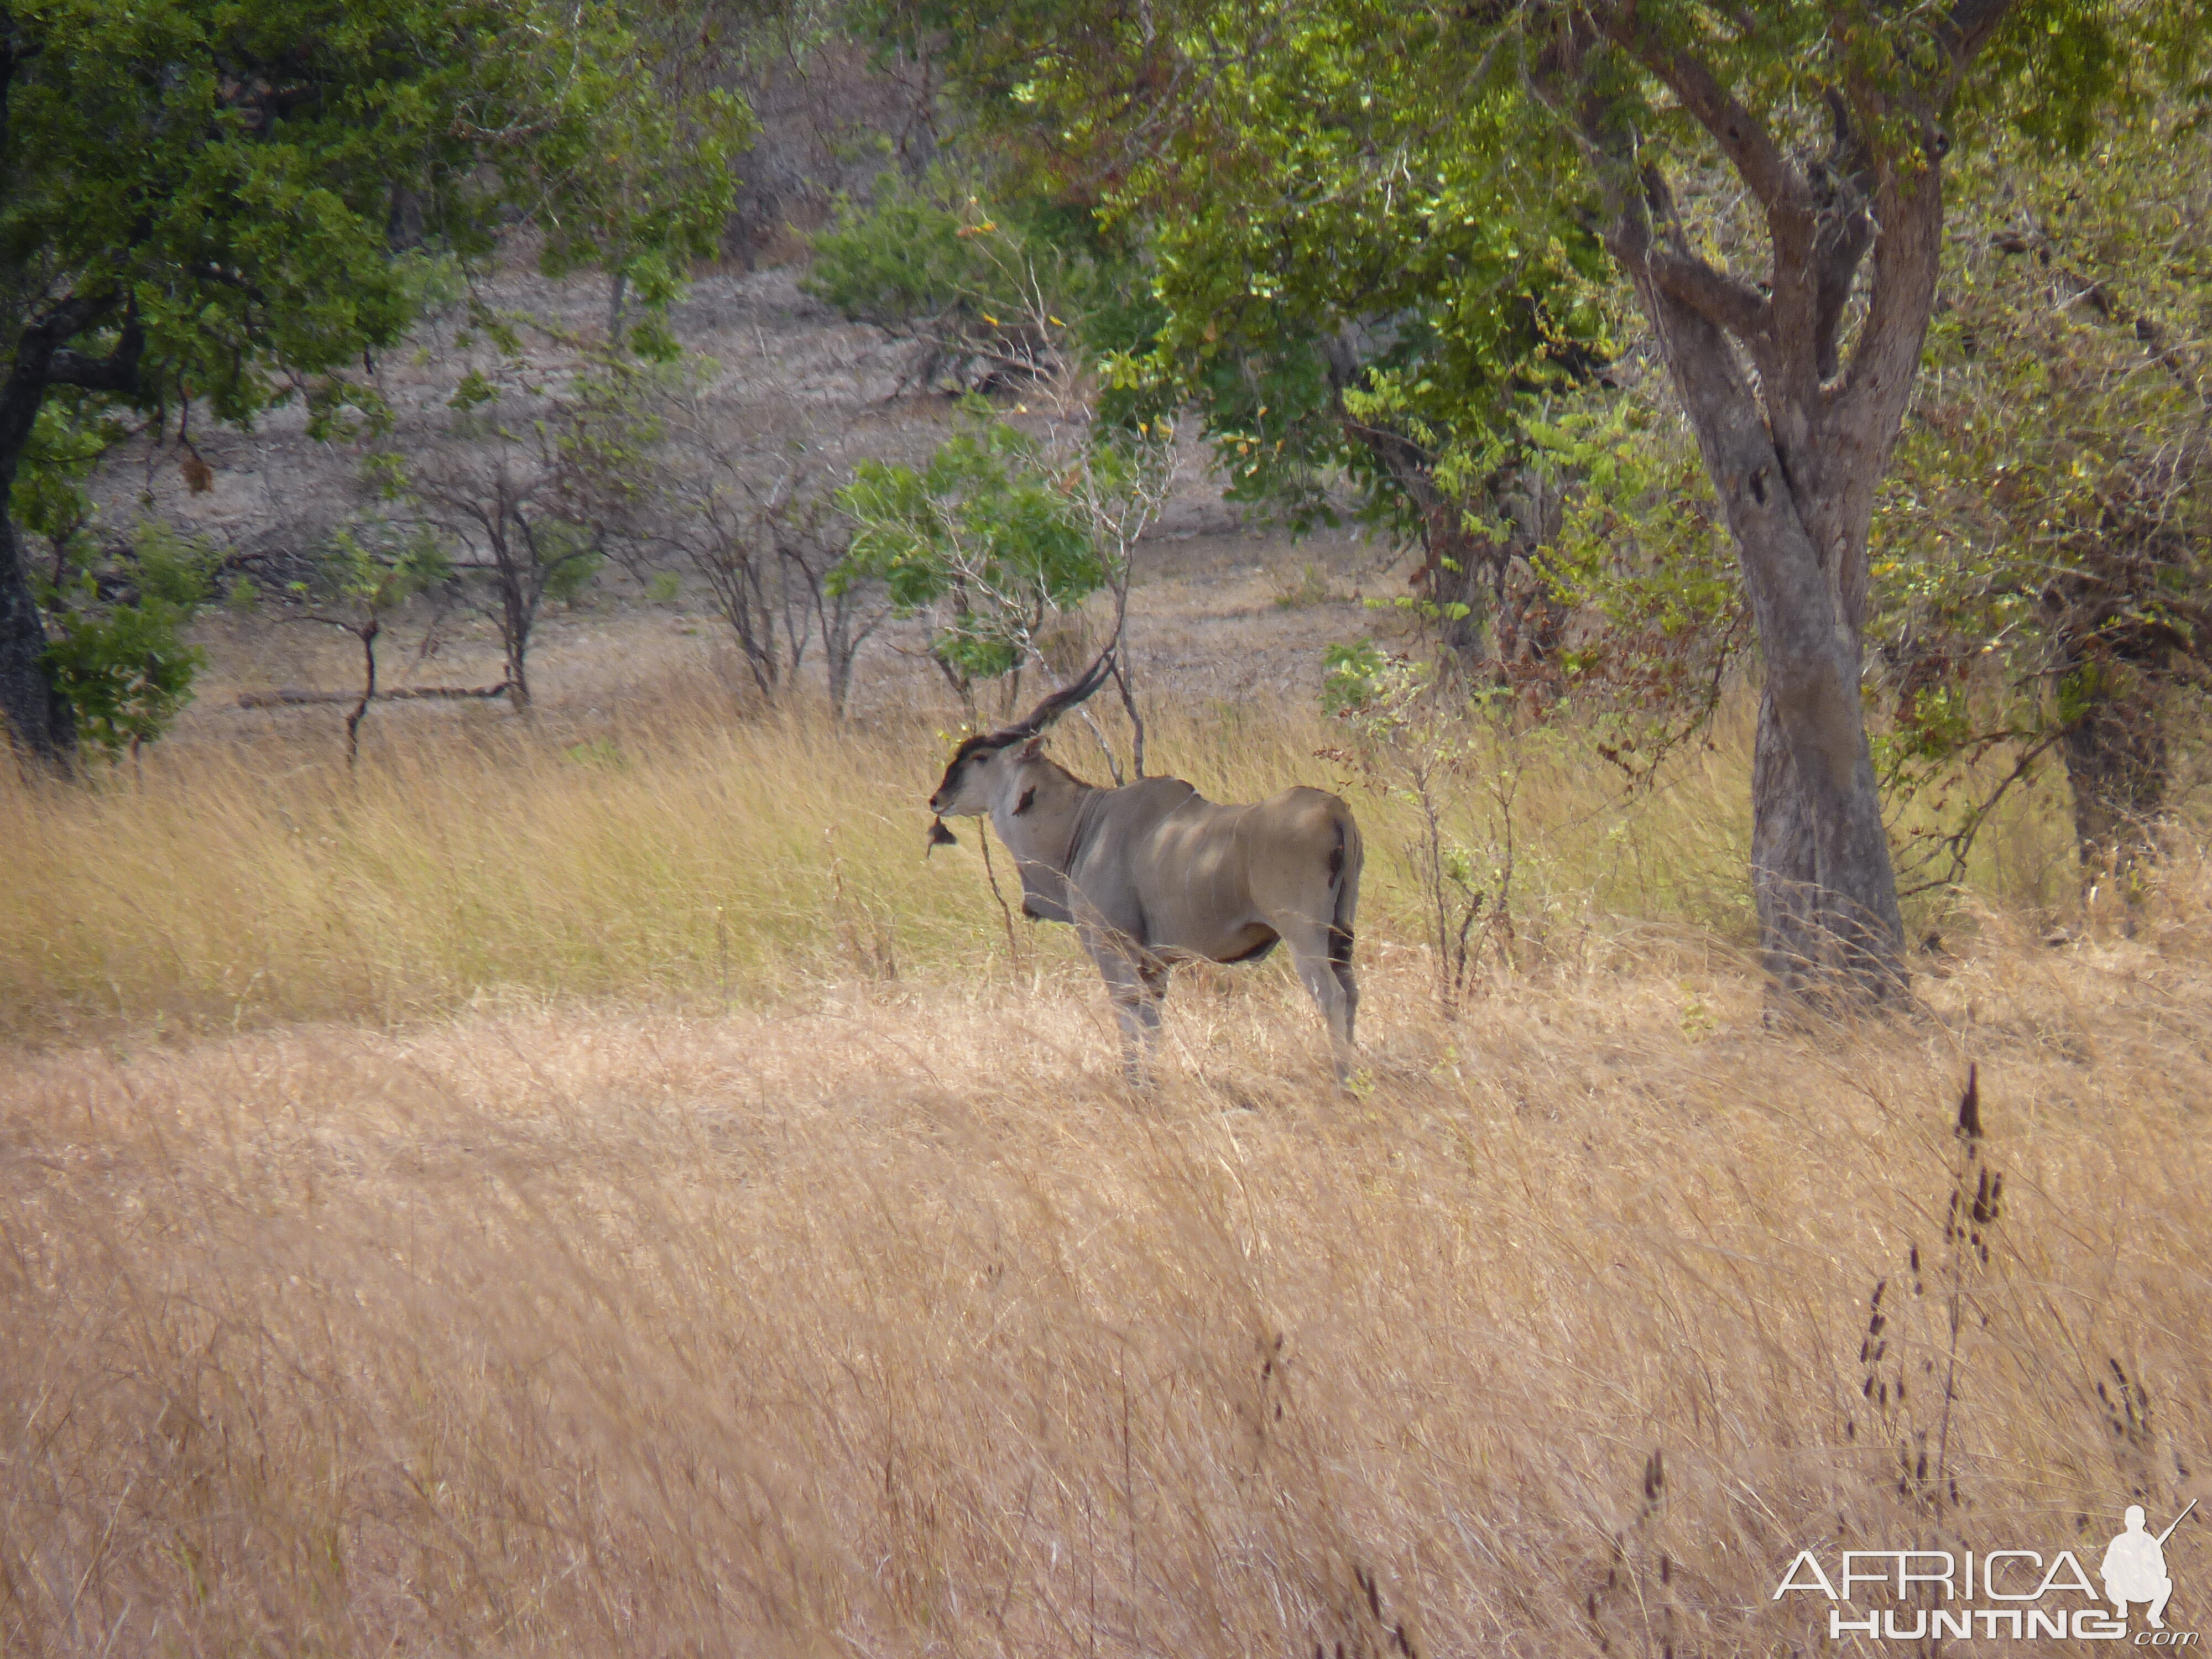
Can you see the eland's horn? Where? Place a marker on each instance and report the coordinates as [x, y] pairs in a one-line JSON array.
[[1060, 700]]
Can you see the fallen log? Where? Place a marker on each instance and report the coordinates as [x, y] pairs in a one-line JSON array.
[[295, 696]]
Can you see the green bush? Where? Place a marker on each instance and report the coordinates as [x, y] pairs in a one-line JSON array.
[[118, 618]]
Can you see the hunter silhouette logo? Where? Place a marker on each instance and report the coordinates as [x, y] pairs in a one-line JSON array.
[[2135, 1566], [2014, 1595]]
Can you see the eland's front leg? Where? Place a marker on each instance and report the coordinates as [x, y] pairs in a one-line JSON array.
[[1136, 982], [1140, 1016]]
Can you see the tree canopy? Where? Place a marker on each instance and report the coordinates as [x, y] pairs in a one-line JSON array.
[[1316, 197], [219, 204], [1768, 185]]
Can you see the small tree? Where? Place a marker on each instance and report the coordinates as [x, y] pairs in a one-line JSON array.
[[1001, 532], [368, 572], [534, 472], [760, 526], [812, 535], [980, 540], [721, 526], [1419, 741]]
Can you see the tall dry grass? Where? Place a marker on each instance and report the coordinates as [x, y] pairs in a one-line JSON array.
[[607, 1193], [689, 859], [898, 1326]]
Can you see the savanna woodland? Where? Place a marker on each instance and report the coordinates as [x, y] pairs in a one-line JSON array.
[[522, 1132]]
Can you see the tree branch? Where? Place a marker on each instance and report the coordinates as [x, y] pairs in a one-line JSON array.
[[1846, 232], [31, 375], [1724, 300], [1970, 26], [1741, 136], [208, 271], [1908, 205], [117, 372]]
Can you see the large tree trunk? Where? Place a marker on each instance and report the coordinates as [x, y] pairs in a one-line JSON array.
[[39, 719], [1785, 865], [1795, 435], [1820, 869], [1785, 472], [1821, 866]]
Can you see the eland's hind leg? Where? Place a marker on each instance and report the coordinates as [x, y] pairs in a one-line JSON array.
[[1330, 983], [1340, 962], [1137, 1009]]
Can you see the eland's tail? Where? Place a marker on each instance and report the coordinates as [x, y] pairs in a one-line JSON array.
[[1343, 862]]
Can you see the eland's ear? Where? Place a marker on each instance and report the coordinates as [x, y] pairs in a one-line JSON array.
[[1032, 748]]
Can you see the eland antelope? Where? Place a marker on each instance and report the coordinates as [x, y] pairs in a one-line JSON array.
[[1154, 873]]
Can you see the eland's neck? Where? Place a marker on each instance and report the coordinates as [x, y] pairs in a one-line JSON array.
[[1041, 835], [1044, 831]]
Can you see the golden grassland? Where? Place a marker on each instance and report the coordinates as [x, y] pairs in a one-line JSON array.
[[687, 858], [544, 1264]]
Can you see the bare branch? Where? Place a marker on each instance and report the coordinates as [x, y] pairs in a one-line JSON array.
[[297, 696], [1742, 137], [1724, 300]]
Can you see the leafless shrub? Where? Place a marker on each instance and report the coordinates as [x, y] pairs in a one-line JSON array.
[[833, 116], [532, 472], [754, 515]]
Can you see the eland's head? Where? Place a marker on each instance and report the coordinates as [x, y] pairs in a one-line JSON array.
[[986, 769]]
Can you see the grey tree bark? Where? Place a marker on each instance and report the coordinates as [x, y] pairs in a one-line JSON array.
[[39, 719], [1794, 434]]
